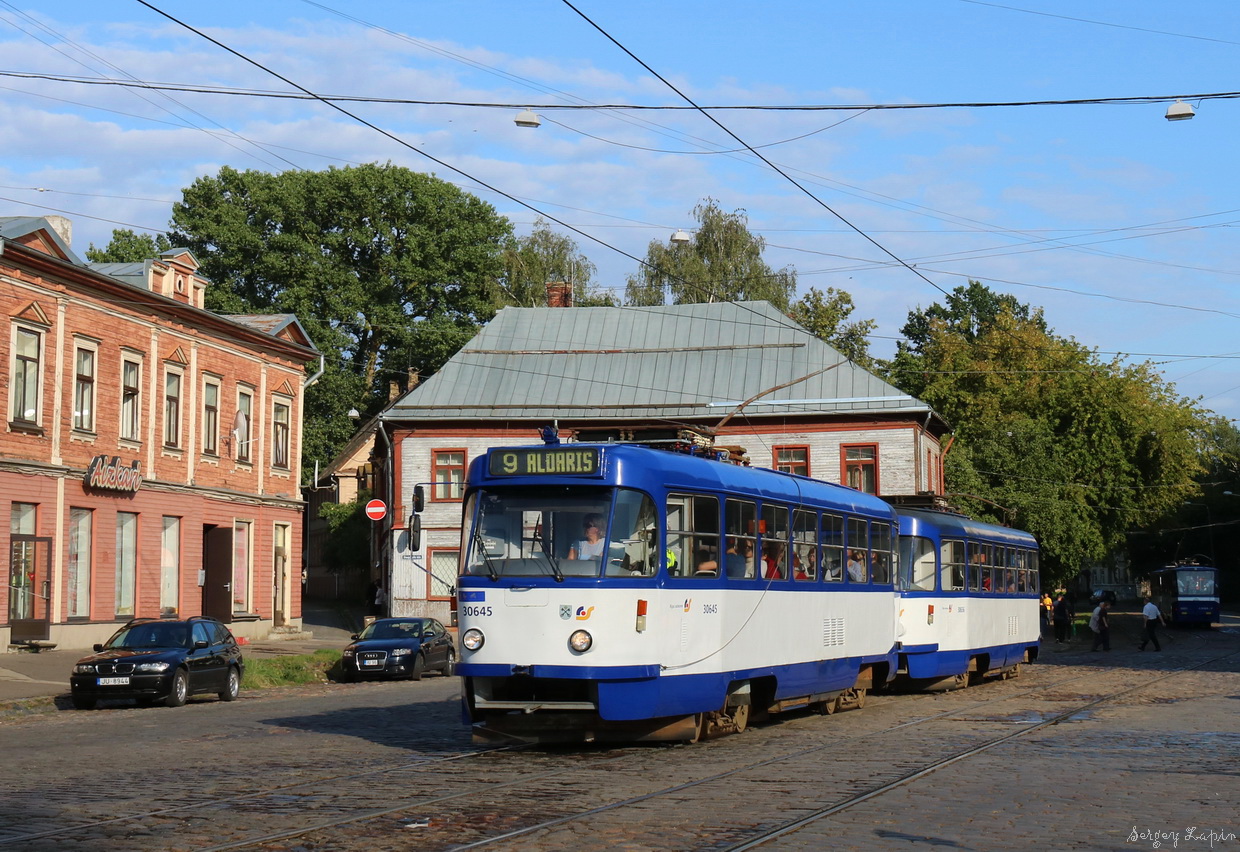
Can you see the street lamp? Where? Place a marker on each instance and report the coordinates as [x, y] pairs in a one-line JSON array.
[[680, 237], [1180, 111], [529, 118]]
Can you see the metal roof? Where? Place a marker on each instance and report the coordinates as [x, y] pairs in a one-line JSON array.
[[673, 361]]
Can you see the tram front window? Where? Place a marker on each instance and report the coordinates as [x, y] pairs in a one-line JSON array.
[[562, 532]]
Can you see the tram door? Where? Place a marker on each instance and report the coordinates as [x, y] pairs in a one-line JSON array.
[[30, 587]]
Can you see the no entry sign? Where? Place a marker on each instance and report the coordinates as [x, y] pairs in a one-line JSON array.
[[376, 509]]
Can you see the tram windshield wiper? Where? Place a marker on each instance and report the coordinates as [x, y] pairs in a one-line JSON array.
[[486, 559], [551, 560]]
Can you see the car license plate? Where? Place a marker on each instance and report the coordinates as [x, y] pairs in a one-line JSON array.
[[370, 662], [114, 681]]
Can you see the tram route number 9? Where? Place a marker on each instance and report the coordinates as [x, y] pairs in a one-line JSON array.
[[475, 610], [539, 461]]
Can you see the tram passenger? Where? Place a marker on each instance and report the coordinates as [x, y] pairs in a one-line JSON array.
[[591, 545], [856, 566], [739, 557], [707, 564], [773, 556]]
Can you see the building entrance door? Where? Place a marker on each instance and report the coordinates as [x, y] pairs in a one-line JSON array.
[[30, 588], [217, 554]]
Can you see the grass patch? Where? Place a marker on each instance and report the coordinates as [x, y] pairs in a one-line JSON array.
[[267, 672]]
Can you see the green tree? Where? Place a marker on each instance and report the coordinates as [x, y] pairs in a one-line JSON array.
[[546, 257], [126, 246], [721, 262], [825, 315], [381, 264], [1077, 450]]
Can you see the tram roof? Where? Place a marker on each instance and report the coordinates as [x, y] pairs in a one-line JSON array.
[[948, 523], [637, 363]]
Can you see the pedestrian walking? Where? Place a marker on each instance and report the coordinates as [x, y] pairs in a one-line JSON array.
[[1062, 619], [1101, 626], [1045, 614], [1153, 618]]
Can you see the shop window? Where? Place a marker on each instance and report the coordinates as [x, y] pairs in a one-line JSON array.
[[78, 568], [170, 566], [126, 563], [241, 567]]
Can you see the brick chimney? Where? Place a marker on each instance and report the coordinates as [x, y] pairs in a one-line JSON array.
[[559, 294]]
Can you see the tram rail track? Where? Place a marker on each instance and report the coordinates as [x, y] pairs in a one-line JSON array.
[[474, 804]]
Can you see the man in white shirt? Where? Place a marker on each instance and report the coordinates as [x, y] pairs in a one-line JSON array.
[[1152, 619]]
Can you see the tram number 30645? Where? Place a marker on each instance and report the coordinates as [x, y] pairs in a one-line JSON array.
[[475, 610]]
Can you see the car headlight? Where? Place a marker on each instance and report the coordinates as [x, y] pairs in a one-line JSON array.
[[84, 668], [349, 652], [152, 667], [580, 641], [472, 639], [401, 652]]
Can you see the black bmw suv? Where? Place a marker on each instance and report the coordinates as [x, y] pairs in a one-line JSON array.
[[160, 659]]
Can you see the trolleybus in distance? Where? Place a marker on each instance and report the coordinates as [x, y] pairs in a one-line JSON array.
[[1187, 594], [968, 599], [622, 592]]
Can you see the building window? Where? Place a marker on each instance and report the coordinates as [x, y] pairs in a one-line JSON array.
[[126, 562], [242, 425], [24, 407], [78, 577], [172, 409], [170, 566], [84, 391], [445, 564], [861, 467], [792, 460], [279, 435], [131, 400], [241, 567], [211, 417], [448, 474]]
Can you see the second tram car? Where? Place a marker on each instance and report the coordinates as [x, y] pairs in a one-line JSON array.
[[621, 592], [1186, 594]]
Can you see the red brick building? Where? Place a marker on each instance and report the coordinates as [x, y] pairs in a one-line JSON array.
[[151, 452]]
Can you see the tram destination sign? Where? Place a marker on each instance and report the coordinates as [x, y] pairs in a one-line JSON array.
[[545, 461]]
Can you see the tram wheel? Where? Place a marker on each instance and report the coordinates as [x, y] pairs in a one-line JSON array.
[[1014, 671], [740, 717], [859, 699], [962, 681]]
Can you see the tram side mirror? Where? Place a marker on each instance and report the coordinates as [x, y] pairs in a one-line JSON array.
[[415, 533], [419, 499]]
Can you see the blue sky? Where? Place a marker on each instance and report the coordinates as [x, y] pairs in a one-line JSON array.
[[1115, 221]]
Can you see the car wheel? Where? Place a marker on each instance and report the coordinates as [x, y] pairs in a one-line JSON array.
[[233, 687], [180, 689], [419, 666], [80, 703], [449, 666]]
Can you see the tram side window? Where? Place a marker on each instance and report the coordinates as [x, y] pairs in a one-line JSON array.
[[634, 549], [979, 569], [1022, 574], [775, 550], [804, 545], [741, 526], [832, 539], [692, 535], [917, 564], [858, 551], [1035, 584], [952, 556], [880, 542]]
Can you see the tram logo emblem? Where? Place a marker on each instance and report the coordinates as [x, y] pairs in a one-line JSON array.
[[583, 613], [566, 611], [688, 604]]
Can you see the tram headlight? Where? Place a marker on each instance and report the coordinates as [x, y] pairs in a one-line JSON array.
[[580, 641], [472, 639]]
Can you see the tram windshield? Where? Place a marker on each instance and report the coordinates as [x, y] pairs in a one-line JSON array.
[[561, 532], [1195, 582]]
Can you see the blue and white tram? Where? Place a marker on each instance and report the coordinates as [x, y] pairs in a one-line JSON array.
[[968, 599], [714, 591], [1186, 593]]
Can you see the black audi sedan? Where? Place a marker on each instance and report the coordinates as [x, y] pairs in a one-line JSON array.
[[160, 660], [399, 648]]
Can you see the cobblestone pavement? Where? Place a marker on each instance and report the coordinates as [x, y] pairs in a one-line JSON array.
[[1161, 758]]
